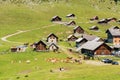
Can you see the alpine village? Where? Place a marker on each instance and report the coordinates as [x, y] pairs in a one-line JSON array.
[[59, 40]]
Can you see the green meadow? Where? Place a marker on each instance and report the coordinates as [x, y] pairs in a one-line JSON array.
[[36, 19]]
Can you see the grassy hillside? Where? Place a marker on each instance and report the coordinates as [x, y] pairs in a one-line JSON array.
[[36, 18]]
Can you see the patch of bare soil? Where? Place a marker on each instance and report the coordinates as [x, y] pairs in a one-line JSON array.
[[97, 63]]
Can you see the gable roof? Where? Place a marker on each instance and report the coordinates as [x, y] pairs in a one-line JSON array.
[[54, 45], [71, 22], [80, 39], [89, 37], [78, 27], [69, 15], [94, 27], [115, 31], [55, 17], [52, 34], [40, 42], [71, 36], [90, 45]]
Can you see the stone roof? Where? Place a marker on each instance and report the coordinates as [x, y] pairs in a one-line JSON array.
[[89, 37], [115, 31], [90, 45]]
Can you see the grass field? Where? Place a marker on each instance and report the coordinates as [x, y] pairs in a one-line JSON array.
[[36, 18]]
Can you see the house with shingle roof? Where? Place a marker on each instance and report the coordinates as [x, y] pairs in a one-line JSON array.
[[80, 41], [53, 47], [71, 23], [94, 48], [70, 15], [89, 37], [72, 37], [113, 35], [95, 28], [78, 30], [56, 18], [52, 38], [40, 46]]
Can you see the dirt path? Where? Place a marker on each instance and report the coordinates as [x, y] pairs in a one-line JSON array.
[[20, 32]]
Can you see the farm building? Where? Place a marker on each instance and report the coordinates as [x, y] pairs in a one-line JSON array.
[[89, 37], [53, 47], [52, 38], [40, 46], [95, 28], [78, 30], [71, 23], [70, 16], [95, 48], [80, 42], [113, 35], [56, 18], [20, 48], [72, 38]]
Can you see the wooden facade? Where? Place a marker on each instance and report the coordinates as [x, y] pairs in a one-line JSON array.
[[40, 46], [71, 23], [56, 18], [72, 38], [78, 30], [101, 50]]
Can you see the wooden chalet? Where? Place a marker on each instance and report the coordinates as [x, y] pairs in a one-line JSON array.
[[56, 18], [113, 35], [53, 47], [72, 38], [70, 16], [95, 48], [40, 46], [71, 23], [52, 38], [80, 42], [95, 28], [78, 30]]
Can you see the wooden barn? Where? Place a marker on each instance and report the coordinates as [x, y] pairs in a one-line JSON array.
[[53, 47], [72, 38], [95, 28], [52, 38], [40, 46], [78, 30], [70, 16], [56, 18], [113, 35], [71, 23], [80, 42], [95, 48]]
